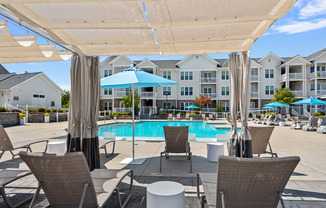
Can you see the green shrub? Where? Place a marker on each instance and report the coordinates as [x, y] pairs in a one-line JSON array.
[[322, 117], [321, 113], [250, 114], [3, 109], [47, 110], [54, 110], [46, 114], [16, 111], [60, 111], [21, 115], [40, 110], [66, 111], [314, 114]]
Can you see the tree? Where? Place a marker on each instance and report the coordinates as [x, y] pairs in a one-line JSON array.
[[203, 100], [284, 95], [127, 101], [219, 108], [65, 99]]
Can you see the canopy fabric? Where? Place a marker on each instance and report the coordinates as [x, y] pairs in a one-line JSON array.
[[234, 104], [244, 89], [134, 77], [173, 27], [268, 107], [24, 48], [191, 107], [310, 101], [277, 104]]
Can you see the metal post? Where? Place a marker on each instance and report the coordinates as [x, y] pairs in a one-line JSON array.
[[133, 123]]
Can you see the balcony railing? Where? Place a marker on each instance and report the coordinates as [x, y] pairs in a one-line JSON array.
[[254, 78], [319, 75], [121, 110], [208, 80], [120, 93], [298, 93], [146, 94], [208, 109], [254, 94], [319, 92], [212, 95], [295, 75]]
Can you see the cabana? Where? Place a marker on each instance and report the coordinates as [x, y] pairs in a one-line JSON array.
[[149, 27]]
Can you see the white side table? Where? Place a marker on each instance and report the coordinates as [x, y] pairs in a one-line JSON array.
[[281, 123], [165, 194], [214, 150], [56, 147]]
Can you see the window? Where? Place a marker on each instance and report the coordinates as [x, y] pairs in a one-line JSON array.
[[166, 105], [269, 73], [186, 76], [312, 87], [207, 90], [107, 106], [184, 105], [323, 68], [207, 75], [52, 103], [318, 86], [318, 68], [225, 107], [312, 69], [107, 91], [16, 98], [35, 95], [167, 90], [186, 91], [41, 96], [269, 90], [107, 73], [225, 75], [225, 91], [323, 86], [167, 74]]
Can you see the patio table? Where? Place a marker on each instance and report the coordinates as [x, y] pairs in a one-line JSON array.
[[165, 194], [214, 150]]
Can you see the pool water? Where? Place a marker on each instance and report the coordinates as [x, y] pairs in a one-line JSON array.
[[155, 129]]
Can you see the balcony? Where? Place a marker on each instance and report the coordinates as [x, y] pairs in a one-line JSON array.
[[121, 110], [298, 93], [292, 76], [319, 92], [212, 95], [254, 94], [120, 93], [254, 78], [208, 80], [146, 94], [321, 75], [208, 109]]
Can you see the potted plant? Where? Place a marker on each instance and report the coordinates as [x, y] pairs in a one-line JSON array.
[[47, 118], [22, 118]]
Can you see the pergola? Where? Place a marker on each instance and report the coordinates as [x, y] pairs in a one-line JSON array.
[[148, 27]]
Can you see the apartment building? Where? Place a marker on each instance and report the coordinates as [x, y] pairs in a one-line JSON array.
[[200, 74]]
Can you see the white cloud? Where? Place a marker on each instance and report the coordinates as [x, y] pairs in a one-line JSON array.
[[304, 26], [311, 8]]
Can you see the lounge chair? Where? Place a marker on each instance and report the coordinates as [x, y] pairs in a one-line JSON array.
[[179, 116], [210, 117], [311, 125], [296, 123], [187, 116], [246, 182], [67, 181], [109, 137], [196, 116], [269, 120], [7, 177], [170, 116], [322, 127], [288, 117], [7, 145], [260, 137], [203, 116], [273, 121], [176, 141]]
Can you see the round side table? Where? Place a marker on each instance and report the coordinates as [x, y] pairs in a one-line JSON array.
[[56, 147], [214, 150], [165, 194]]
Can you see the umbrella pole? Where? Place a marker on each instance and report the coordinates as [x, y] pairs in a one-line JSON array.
[[133, 123]]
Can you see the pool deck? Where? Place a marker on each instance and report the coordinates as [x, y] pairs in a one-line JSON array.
[[306, 188]]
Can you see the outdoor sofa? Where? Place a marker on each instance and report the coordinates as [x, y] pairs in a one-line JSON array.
[[67, 181]]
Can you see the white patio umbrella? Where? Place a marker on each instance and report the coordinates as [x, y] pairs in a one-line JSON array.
[[134, 78]]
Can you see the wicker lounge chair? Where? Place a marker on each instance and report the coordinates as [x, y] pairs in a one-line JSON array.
[[322, 127], [176, 141], [67, 181], [311, 125], [246, 183], [260, 140], [7, 177], [7, 145], [108, 138]]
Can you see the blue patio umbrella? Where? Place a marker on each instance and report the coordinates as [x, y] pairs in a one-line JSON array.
[[134, 78], [192, 107], [310, 101], [277, 104], [268, 107]]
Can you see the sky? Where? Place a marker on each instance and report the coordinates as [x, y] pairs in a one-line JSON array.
[[301, 31]]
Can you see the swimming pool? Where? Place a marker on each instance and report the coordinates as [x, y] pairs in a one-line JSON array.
[[153, 130]]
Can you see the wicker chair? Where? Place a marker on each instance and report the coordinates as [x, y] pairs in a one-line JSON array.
[[7, 177], [67, 181], [260, 137], [7, 145], [176, 141], [246, 182]]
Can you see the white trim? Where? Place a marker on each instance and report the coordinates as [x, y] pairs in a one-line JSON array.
[[297, 56], [203, 55], [318, 57], [106, 60], [256, 63], [273, 54], [119, 57], [144, 61]]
